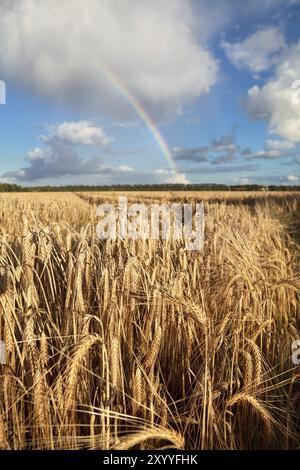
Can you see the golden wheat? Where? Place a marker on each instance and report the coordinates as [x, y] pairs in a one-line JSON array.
[[123, 344]]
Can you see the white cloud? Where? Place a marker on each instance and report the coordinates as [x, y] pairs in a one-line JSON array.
[[177, 178], [272, 144], [126, 169], [292, 178], [168, 176], [35, 154], [277, 101], [289, 179], [267, 154], [81, 132], [62, 160], [258, 52], [162, 172], [177, 149], [244, 179], [62, 50]]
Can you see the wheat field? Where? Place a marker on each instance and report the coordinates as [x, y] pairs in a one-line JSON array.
[[141, 344]]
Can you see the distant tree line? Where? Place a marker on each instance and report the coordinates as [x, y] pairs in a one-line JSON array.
[[9, 188], [6, 188]]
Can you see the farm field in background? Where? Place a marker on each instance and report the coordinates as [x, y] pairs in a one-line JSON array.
[[142, 344]]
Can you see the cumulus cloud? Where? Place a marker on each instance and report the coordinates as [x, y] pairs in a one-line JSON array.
[[81, 133], [168, 176], [278, 100], [59, 156], [63, 161], [57, 161], [35, 154], [258, 52], [88, 53]]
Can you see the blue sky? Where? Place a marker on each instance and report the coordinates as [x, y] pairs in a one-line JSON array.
[[220, 79]]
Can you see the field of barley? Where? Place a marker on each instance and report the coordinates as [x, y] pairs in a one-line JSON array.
[[142, 344]]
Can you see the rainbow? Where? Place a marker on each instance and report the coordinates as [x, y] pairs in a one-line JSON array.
[[144, 115]]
